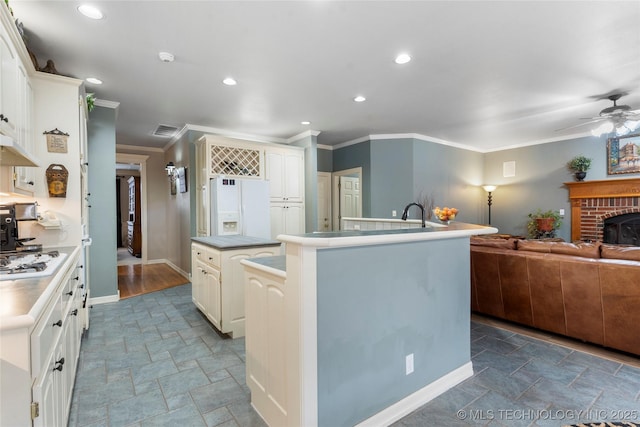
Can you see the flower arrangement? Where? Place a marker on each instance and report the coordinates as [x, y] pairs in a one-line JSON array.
[[445, 214]]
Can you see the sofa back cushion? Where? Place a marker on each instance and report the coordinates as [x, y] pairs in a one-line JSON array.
[[534, 246], [630, 253], [581, 249], [493, 242]]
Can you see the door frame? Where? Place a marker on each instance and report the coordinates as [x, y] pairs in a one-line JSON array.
[[326, 175], [142, 161], [335, 193]]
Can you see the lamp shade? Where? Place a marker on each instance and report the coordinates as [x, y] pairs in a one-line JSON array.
[[489, 188]]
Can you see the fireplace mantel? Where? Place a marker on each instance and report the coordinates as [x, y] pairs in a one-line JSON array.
[[599, 189]]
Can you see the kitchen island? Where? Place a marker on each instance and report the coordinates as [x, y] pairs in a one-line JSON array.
[[217, 277], [358, 327]]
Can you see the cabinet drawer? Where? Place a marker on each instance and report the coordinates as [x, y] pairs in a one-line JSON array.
[[207, 255], [45, 334]]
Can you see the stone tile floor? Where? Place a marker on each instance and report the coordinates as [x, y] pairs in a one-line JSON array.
[[153, 360]]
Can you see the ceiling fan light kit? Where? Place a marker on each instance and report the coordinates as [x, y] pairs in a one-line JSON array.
[[618, 117]]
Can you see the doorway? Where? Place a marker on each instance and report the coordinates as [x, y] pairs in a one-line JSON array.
[[127, 166], [347, 198]]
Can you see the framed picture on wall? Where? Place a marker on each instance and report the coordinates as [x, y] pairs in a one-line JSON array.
[[623, 154], [182, 179]]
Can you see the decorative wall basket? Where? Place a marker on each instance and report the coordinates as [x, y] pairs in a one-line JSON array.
[[56, 141], [57, 176]]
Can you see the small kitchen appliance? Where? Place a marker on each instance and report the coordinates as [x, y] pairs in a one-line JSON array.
[[10, 214], [240, 206]]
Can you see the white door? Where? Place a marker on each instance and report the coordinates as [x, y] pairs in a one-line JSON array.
[[324, 202], [350, 197]]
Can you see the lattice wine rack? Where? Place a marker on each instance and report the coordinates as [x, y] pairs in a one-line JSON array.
[[234, 161]]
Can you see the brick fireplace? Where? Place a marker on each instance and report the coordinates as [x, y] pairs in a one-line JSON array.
[[594, 201]]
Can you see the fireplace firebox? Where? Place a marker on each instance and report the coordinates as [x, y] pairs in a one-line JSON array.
[[622, 229]]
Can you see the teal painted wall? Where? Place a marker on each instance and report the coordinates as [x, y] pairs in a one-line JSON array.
[[539, 181], [391, 177], [103, 270], [416, 301], [353, 156], [325, 160], [397, 171]]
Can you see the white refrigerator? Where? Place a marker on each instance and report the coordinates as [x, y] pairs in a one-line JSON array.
[[240, 206]]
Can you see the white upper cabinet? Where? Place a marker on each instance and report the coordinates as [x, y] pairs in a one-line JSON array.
[[285, 173], [8, 86]]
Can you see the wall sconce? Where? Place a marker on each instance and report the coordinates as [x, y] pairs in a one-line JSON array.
[[170, 168], [489, 189]]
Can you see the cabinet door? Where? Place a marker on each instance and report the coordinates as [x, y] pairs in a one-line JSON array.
[[213, 307], [44, 394], [285, 173], [202, 195], [277, 212], [8, 86], [294, 176], [275, 164], [25, 176], [294, 218]]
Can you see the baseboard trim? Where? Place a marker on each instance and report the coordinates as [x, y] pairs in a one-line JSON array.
[[105, 299], [183, 273], [415, 400]]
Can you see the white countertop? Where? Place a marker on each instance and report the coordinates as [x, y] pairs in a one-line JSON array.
[[22, 300], [234, 242], [380, 237]]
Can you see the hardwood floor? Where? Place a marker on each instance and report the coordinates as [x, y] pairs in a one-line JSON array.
[[141, 279]]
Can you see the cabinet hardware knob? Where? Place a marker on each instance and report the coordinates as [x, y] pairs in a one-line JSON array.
[[60, 362], [80, 266], [88, 206], [3, 118], [76, 278], [82, 286], [58, 323], [70, 293], [74, 312], [30, 183], [58, 368]]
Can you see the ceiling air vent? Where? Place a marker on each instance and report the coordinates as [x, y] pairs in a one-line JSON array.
[[165, 131]]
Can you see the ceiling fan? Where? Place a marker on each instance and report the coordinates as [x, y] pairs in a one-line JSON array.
[[619, 117]]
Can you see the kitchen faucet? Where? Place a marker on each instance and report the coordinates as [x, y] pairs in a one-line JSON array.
[[406, 210]]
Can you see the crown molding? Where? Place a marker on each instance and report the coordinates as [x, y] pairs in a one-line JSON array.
[[301, 135], [236, 135], [138, 148]]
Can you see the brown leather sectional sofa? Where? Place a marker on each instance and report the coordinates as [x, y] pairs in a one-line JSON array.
[[588, 291]]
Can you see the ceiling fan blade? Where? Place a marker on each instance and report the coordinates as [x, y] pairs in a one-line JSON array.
[[580, 124]]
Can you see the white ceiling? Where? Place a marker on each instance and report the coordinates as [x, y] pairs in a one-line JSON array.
[[485, 75]]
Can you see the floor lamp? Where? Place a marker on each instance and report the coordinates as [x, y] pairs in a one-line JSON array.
[[489, 189]]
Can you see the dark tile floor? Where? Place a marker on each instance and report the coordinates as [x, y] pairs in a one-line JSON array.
[[153, 360]]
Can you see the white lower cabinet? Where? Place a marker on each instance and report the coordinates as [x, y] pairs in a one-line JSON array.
[[266, 346], [287, 218], [39, 361], [217, 280]]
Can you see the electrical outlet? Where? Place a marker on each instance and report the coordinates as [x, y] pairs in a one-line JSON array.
[[393, 213], [561, 212], [409, 364]]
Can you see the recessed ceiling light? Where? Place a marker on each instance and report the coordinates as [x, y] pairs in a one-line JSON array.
[[93, 80], [359, 98], [305, 122], [403, 58], [230, 81], [166, 57], [90, 11]]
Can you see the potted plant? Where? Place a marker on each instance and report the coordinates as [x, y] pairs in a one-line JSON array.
[[579, 165], [543, 223]]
